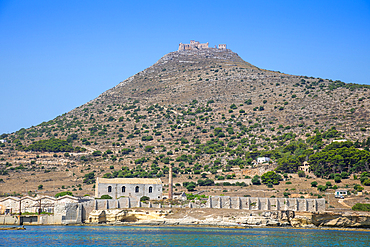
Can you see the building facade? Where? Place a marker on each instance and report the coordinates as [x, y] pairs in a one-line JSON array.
[[129, 187]]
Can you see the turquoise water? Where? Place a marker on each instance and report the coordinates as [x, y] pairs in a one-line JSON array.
[[179, 236]]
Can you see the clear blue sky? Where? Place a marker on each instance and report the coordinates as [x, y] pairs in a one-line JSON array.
[[57, 55]]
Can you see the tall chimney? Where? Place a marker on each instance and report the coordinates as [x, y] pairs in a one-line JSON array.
[[170, 184]]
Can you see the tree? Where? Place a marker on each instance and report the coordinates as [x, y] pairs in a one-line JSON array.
[[40, 187], [337, 179], [190, 187], [270, 178], [301, 174], [314, 184], [89, 178], [256, 180]]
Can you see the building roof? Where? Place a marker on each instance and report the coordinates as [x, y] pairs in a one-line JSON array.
[[129, 181]]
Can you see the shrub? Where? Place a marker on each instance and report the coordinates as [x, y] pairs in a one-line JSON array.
[[105, 197], [361, 207], [144, 198], [321, 188], [256, 180], [147, 138], [40, 187], [301, 174], [60, 194], [313, 184], [96, 153], [358, 188], [337, 179]]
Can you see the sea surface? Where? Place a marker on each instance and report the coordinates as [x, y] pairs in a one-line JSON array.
[[179, 236]]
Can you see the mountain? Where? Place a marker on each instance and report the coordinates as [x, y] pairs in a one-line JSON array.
[[206, 111]]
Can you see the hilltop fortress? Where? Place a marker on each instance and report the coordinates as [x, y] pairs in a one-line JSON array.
[[195, 45]]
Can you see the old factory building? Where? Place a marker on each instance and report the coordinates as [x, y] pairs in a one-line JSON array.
[[129, 187]]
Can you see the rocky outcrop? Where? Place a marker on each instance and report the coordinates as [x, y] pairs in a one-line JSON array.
[[229, 217]]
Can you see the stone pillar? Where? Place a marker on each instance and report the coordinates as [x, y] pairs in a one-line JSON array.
[[249, 203], [230, 206], [277, 204], [219, 202], [239, 203], [139, 204], [296, 205], [267, 203], [96, 205], [210, 201], [190, 205], [117, 204], [159, 205], [170, 184], [315, 205], [305, 205], [150, 205], [128, 202], [107, 204]]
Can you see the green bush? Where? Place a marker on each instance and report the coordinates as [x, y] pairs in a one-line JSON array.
[[301, 174], [105, 197], [60, 194], [314, 184], [144, 198], [256, 180], [361, 207]]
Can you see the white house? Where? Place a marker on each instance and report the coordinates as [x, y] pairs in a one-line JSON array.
[[261, 160]]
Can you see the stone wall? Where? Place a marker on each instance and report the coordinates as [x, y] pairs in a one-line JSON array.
[[257, 203]]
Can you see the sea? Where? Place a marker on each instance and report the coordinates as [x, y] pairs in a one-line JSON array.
[[179, 236]]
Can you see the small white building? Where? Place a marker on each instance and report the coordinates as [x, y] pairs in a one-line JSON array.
[[261, 160], [305, 167], [341, 140], [340, 193]]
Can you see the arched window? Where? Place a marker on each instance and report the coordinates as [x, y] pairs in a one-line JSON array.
[[150, 189], [123, 189], [137, 189], [109, 188]]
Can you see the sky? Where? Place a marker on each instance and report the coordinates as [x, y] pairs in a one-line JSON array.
[[57, 55]]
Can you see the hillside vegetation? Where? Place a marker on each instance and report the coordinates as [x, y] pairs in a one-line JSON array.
[[207, 113]]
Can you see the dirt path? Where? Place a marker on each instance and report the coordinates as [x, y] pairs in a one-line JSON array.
[[341, 201]]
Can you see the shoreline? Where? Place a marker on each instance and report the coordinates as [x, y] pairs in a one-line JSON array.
[[24, 227]]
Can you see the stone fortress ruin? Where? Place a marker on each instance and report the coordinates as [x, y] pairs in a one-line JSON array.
[[195, 45]]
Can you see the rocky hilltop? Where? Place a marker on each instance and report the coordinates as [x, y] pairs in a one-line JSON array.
[[209, 114]]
